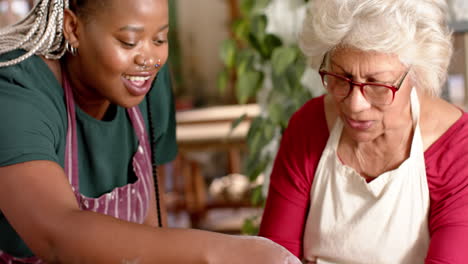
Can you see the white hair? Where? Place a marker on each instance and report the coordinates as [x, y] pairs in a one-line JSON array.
[[40, 32], [415, 30]]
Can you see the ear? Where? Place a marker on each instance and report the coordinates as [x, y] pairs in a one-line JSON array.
[[70, 28]]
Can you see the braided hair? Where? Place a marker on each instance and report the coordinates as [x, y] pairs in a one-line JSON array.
[[41, 31]]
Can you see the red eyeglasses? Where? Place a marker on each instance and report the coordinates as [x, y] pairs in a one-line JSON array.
[[375, 93]]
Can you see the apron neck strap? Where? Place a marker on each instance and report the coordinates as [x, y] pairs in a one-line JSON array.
[[71, 149]]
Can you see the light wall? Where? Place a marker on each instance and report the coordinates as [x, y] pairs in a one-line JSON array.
[[202, 26]]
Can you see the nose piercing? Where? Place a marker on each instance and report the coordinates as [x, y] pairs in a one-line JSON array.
[[158, 64], [144, 63]]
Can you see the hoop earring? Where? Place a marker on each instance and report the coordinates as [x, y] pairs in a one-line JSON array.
[[73, 51], [158, 64]]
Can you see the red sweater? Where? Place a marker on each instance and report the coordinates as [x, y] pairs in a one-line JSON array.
[[301, 147]]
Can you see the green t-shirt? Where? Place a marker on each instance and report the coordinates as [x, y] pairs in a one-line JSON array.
[[34, 126]]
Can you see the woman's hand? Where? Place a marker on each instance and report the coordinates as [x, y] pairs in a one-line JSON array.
[[252, 249]]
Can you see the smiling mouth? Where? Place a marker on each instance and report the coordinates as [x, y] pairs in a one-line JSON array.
[[137, 80], [137, 85]]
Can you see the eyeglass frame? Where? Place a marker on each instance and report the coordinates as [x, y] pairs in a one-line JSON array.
[[393, 88]]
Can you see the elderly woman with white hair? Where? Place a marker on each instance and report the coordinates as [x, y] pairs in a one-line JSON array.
[[374, 171]]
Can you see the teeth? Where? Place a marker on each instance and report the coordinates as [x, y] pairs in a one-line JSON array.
[[136, 78]]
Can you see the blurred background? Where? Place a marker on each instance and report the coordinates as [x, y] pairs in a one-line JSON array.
[[237, 78]]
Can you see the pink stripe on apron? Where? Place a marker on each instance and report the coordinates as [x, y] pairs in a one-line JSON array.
[[129, 202]]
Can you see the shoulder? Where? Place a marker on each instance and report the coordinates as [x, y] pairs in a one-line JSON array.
[[32, 109], [310, 115], [444, 129], [162, 85], [32, 74], [447, 175], [160, 96], [302, 144], [436, 118], [33, 64], [315, 104], [30, 83], [307, 128], [161, 109], [160, 101], [450, 147], [307, 132], [164, 76]]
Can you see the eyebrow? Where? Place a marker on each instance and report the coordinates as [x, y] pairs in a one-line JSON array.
[[367, 75], [164, 27], [131, 28], [139, 28]]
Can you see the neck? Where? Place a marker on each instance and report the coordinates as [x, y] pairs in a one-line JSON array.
[[98, 109], [88, 99], [388, 141], [385, 153]]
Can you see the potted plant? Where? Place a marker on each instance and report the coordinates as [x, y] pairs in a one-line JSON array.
[[264, 64]]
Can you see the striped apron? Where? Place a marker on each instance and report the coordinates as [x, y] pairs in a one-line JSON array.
[[129, 202]]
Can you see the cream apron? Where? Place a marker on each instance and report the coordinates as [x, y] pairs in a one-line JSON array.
[[384, 221]]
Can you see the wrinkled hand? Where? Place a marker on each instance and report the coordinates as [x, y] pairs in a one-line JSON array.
[[252, 249]]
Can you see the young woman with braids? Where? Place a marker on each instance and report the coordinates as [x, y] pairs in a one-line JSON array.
[[80, 84]]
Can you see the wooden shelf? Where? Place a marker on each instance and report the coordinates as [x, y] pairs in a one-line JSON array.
[[208, 129]]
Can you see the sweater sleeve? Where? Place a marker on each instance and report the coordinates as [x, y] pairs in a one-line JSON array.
[[448, 184], [288, 198]]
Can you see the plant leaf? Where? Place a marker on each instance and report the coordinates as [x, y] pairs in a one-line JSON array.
[[270, 43], [245, 59], [261, 4], [256, 167], [240, 28], [223, 80], [228, 53], [276, 113], [246, 7], [247, 85], [249, 227], [282, 58], [257, 196], [258, 26], [239, 120]]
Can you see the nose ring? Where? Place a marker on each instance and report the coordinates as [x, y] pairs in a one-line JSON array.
[[158, 64]]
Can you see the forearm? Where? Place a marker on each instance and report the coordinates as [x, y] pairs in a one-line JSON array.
[[162, 194], [58, 232], [152, 217], [86, 237]]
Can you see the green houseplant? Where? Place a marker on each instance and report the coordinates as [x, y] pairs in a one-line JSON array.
[[264, 64]]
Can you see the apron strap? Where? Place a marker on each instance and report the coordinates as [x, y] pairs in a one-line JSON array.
[[71, 150]]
